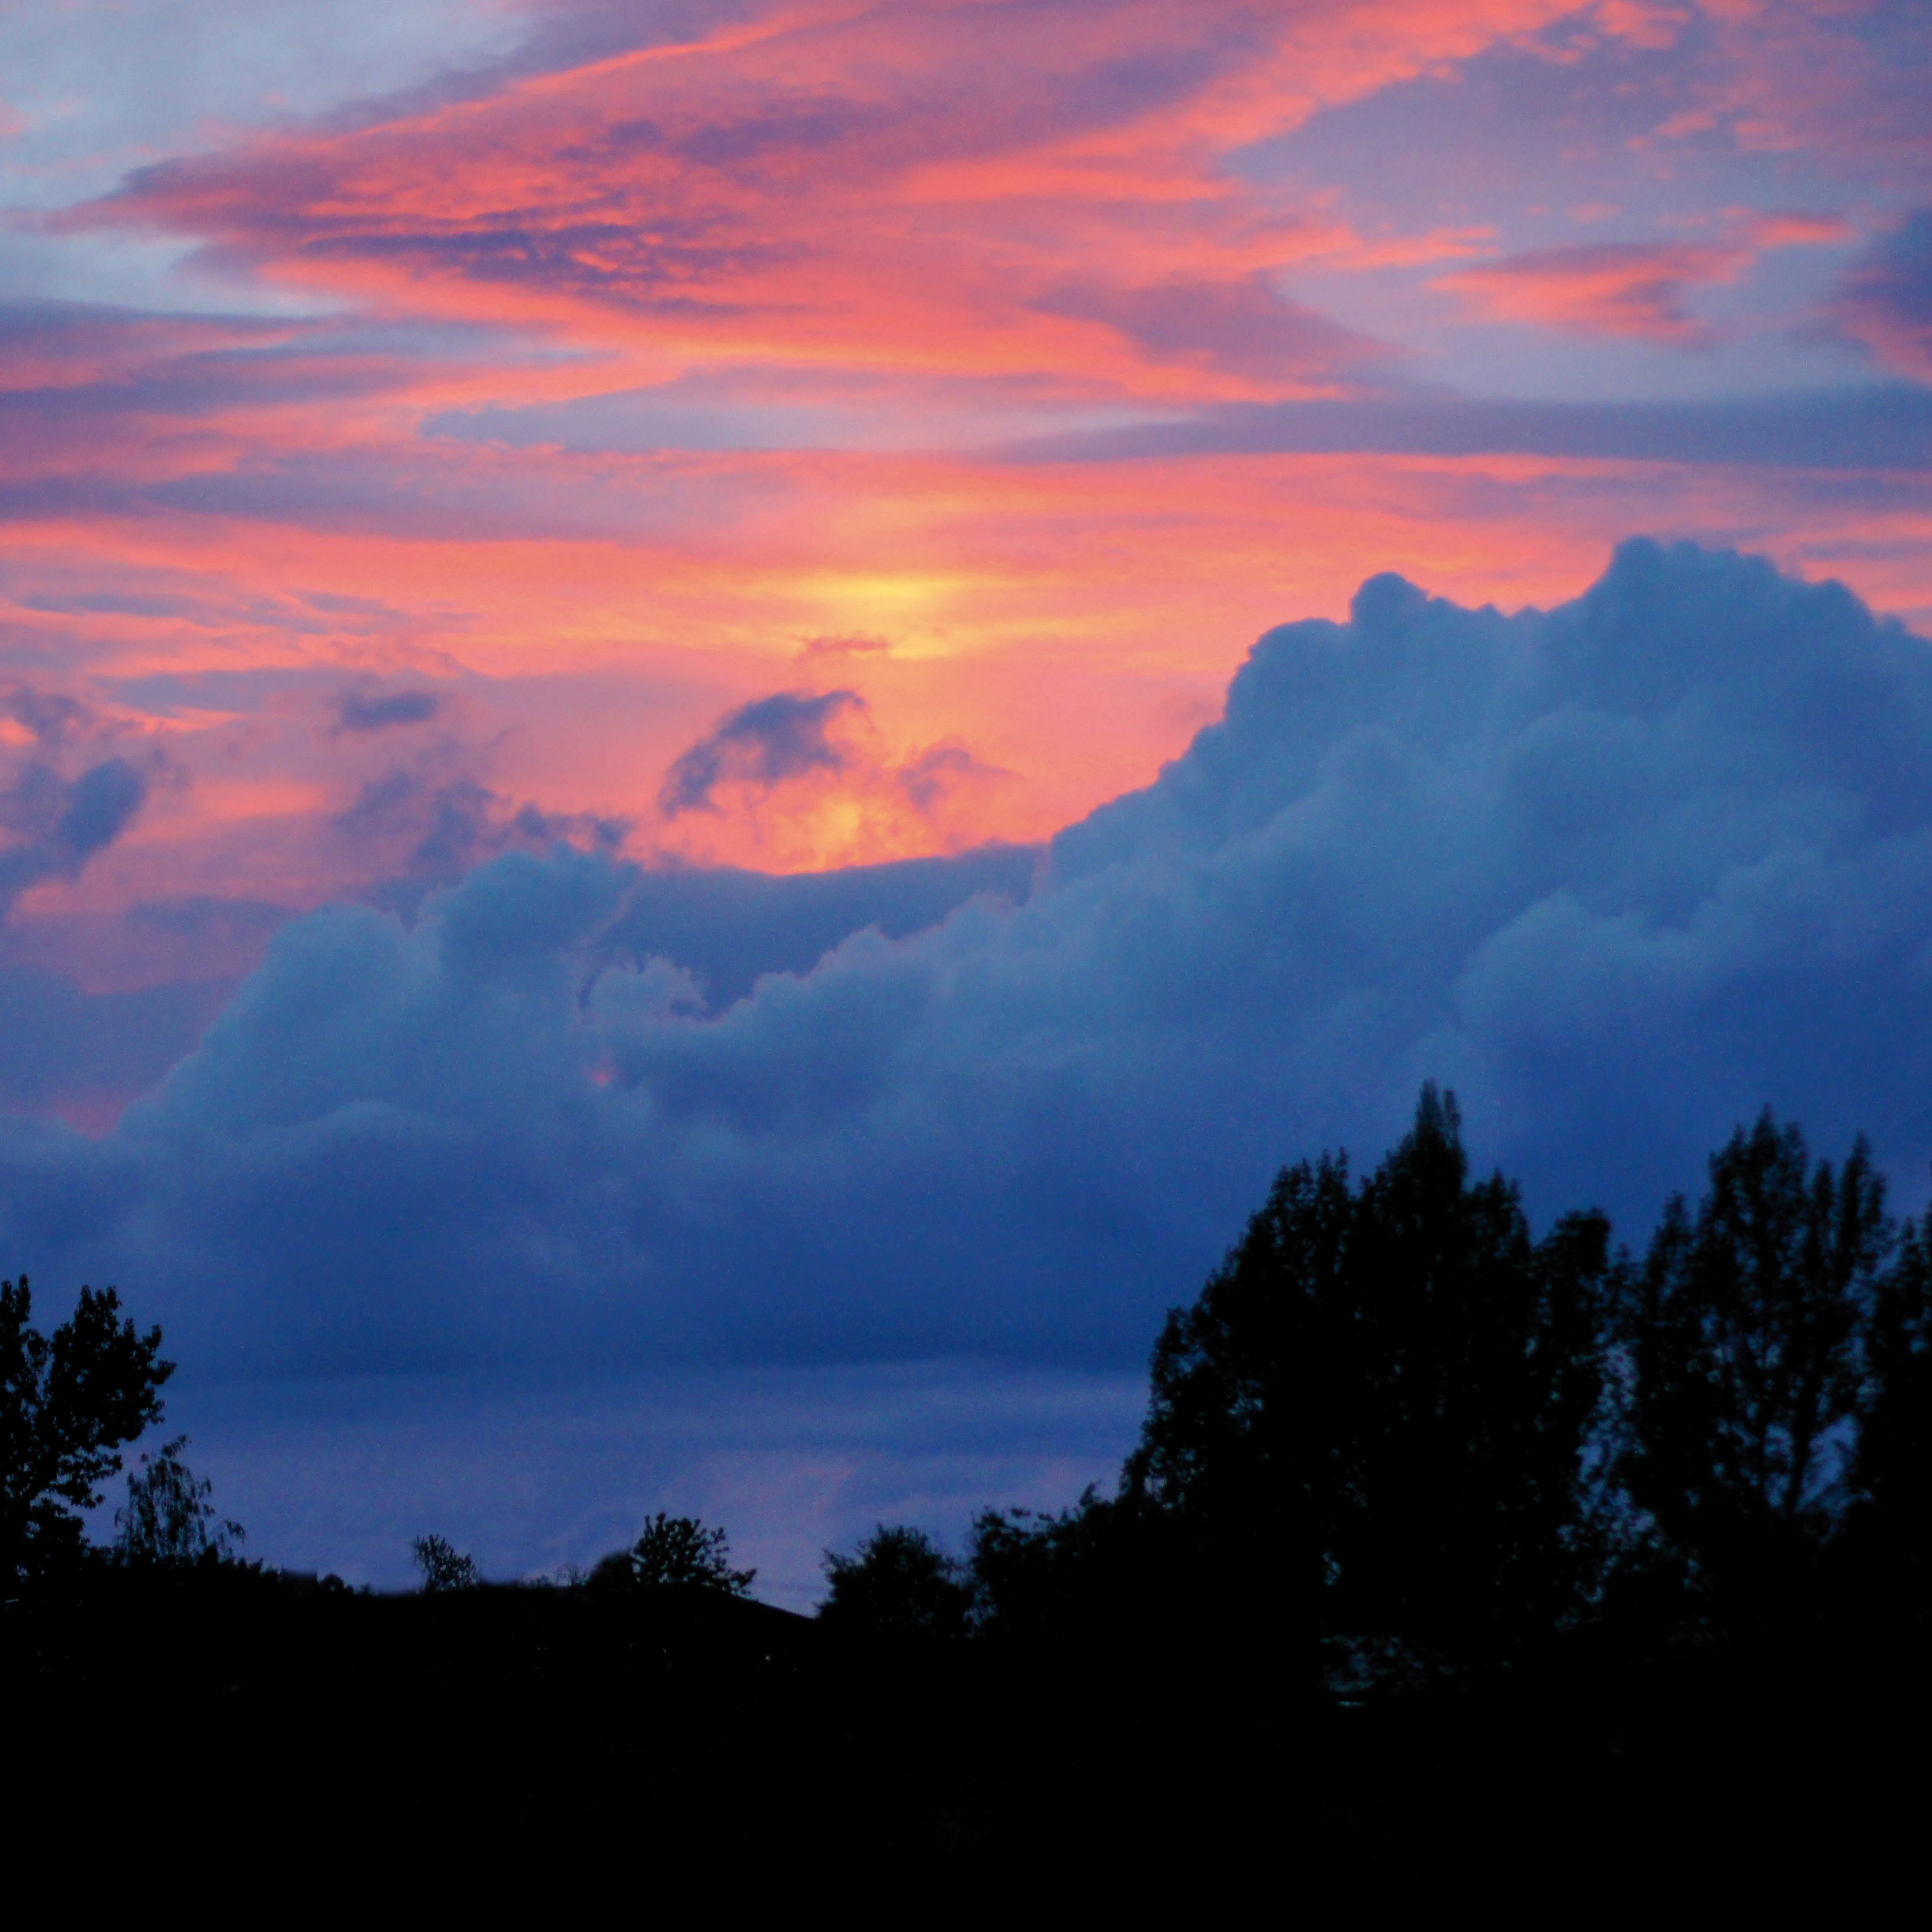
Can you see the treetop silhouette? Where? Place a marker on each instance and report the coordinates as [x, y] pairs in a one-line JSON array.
[[168, 1518], [445, 1568], [68, 1402], [674, 1552], [899, 1582], [1743, 1343], [1384, 1394]]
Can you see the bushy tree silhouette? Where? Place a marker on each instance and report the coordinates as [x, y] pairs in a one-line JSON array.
[[1740, 1346], [68, 1402], [674, 1552], [444, 1567], [167, 1518], [1038, 1573], [900, 1582], [1382, 1398]]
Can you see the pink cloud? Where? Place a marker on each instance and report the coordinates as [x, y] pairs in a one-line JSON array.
[[960, 218], [893, 188], [1639, 289], [1843, 77], [1626, 288], [1885, 300]]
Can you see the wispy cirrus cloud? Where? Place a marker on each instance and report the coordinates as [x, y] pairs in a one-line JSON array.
[[1839, 78], [891, 184], [1640, 290]]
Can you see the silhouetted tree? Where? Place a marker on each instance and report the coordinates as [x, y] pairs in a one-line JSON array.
[[1381, 1404], [1098, 1567], [1739, 1339], [444, 1567], [167, 1518], [1022, 1565], [900, 1583], [1889, 1526], [674, 1553], [67, 1403]]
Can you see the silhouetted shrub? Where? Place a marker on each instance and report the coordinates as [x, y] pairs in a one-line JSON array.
[[674, 1552], [167, 1517], [900, 1583], [444, 1567]]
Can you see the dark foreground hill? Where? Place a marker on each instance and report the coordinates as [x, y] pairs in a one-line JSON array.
[[518, 1731]]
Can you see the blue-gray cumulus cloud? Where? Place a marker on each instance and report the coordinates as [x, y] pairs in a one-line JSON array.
[[1620, 872], [57, 1039], [434, 831], [730, 928]]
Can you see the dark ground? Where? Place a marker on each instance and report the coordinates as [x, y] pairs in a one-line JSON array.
[[504, 1734]]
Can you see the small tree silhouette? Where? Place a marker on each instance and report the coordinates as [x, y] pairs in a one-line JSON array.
[[899, 1581], [68, 1401], [167, 1517], [444, 1567], [674, 1552]]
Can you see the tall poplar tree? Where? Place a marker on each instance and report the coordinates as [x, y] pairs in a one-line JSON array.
[[1740, 1338]]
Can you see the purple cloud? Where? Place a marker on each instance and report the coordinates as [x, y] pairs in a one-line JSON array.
[[1885, 300], [1243, 327], [761, 744], [360, 711], [63, 822]]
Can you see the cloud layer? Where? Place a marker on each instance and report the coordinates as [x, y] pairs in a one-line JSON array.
[[1620, 872]]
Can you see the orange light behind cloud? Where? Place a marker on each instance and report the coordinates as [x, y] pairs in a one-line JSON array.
[[897, 216], [1070, 623]]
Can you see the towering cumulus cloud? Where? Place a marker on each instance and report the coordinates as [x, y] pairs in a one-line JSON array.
[[1620, 872]]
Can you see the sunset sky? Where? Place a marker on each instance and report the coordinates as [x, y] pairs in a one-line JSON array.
[[470, 469]]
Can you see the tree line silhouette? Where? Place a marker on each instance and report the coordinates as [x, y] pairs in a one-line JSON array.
[[1482, 1525]]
